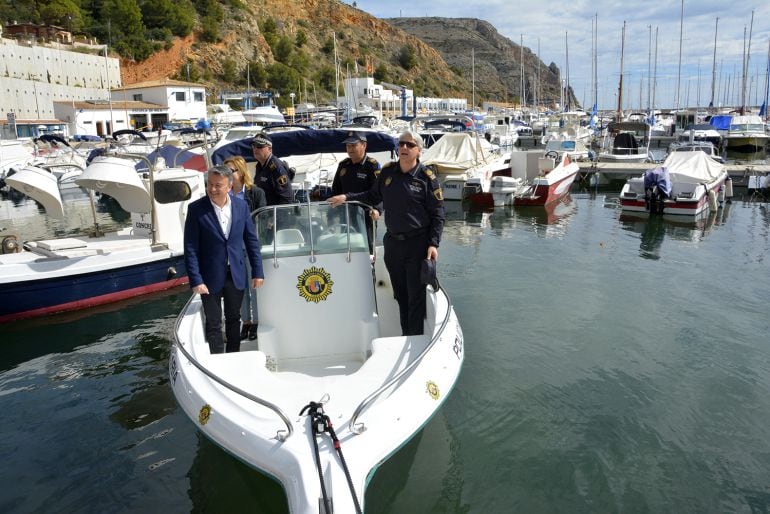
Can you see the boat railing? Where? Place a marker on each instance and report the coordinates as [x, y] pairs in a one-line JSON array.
[[358, 428], [281, 435], [306, 221]]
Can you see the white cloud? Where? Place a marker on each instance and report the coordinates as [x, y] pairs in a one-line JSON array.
[[548, 21]]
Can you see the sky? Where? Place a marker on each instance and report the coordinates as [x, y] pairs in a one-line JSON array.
[[546, 22]]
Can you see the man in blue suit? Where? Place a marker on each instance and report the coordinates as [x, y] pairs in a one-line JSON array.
[[216, 231]]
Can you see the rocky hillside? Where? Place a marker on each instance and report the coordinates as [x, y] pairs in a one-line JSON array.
[[497, 58], [288, 46]]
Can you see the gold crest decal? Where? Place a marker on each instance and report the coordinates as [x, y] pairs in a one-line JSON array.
[[432, 389], [438, 194], [429, 173], [315, 284], [204, 414], [388, 181], [282, 180]]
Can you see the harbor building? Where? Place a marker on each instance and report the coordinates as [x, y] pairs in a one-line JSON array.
[[36, 73]]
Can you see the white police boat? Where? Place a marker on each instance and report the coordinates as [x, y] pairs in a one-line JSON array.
[[332, 389]]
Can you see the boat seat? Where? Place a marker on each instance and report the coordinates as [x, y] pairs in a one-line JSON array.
[[289, 236]]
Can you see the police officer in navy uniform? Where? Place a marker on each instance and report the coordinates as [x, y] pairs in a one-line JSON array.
[[270, 172], [414, 217], [357, 174]]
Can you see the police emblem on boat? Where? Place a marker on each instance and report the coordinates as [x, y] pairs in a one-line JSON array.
[[204, 414], [315, 284], [432, 389]]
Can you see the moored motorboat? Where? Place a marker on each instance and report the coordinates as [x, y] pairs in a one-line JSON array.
[[328, 339], [553, 182], [71, 273], [687, 183]]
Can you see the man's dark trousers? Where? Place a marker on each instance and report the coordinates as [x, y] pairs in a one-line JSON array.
[[212, 309]]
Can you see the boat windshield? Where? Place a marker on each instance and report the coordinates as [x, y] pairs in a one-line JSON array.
[[318, 228], [747, 127]]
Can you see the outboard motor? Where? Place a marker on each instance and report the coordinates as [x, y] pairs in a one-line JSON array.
[[657, 188]]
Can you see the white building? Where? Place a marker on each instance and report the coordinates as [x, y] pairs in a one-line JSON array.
[[102, 117], [185, 102], [362, 93], [33, 77]]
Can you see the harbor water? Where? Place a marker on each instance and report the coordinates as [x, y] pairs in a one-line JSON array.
[[612, 364]]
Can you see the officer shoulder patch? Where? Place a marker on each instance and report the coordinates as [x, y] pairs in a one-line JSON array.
[[283, 180], [343, 171], [438, 194], [388, 181], [272, 166], [429, 173]]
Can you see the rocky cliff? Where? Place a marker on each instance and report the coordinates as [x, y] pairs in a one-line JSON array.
[[440, 51], [497, 58]]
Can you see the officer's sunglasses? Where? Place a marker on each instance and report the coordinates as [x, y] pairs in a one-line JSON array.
[[407, 144]]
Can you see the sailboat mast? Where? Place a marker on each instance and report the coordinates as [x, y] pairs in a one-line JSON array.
[[655, 72], [746, 64], [596, 61], [714, 67], [620, 82], [649, 67], [567, 92], [767, 80], [336, 66], [522, 96], [473, 78], [679, 72]]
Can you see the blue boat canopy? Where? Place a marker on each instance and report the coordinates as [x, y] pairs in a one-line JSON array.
[[305, 142], [721, 122]]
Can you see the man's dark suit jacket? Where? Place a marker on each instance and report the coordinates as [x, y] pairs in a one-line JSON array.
[[207, 251]]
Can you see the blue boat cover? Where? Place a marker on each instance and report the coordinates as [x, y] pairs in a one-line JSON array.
[[658, 177], [305, 142], [721, 122]]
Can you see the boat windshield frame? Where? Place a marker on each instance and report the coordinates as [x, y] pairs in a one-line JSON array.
[[313, 228]]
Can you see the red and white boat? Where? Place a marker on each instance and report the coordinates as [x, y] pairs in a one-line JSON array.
[[553, 182], [687, 184]]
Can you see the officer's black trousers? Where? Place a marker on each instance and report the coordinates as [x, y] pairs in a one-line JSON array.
[[403, 259]]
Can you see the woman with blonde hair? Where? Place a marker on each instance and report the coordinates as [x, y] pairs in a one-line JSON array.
[[244, 188]]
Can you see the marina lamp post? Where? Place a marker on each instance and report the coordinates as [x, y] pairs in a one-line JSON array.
[[292, 95]]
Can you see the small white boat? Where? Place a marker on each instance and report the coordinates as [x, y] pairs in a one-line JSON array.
[[328, 338], [557, 173], [687, 183], [264, 115], [71, 273], [460, 156], [626, 141]]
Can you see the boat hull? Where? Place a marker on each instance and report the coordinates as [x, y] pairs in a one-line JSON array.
[[550, 188], [68, 292]]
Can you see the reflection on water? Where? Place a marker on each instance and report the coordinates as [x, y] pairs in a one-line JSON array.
[[654, 229], [26, 219], [547, 221]]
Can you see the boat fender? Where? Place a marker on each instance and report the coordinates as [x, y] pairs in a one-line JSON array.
[[712, 200], [721, 194], [729, 187], [171, 273], [10, 245]]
